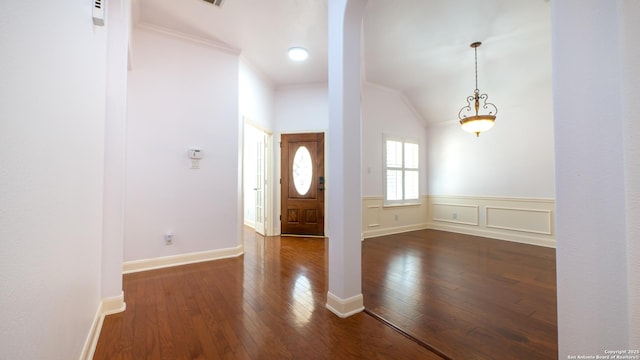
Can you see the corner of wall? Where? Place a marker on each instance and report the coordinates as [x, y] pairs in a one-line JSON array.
[[344, 307], [107, 306]]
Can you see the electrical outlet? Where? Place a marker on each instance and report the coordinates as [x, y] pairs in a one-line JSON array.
[[168, 238], [396, 217], [454, 216]]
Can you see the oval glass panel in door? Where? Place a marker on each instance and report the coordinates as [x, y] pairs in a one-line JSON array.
[[302, 170]]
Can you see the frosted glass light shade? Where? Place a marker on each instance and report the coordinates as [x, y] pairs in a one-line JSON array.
[[477, 124], [298, 54]]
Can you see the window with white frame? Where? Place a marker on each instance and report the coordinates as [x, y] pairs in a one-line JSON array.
[[401, 171]]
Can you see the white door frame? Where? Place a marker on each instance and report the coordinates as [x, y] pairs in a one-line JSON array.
[[267, 172]]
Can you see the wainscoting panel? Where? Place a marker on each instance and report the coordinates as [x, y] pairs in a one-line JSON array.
[[522, 220], [379, 220], [525, 220], [456, 213], [373, 215]]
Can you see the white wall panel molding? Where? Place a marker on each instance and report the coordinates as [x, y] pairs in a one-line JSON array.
[[506, 199], [456, 213], [524, 220], [517, 219], [372, 215], [182, 259], [494, 234], [394, 230], [380, 220]]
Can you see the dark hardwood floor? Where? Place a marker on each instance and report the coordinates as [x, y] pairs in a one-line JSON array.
[[267, 304], [469, 297]]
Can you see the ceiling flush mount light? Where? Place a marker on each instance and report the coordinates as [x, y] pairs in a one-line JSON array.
[[471, 119], [298, 54]]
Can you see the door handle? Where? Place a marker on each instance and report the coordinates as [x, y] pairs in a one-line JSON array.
[[321, 183]]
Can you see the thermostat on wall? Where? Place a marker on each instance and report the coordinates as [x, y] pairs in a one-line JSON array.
[[98, 12], [195, 154]]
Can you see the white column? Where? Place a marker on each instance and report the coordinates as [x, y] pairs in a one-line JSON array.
[[344, 176], [117, 23], [631, 78], [596, 149]]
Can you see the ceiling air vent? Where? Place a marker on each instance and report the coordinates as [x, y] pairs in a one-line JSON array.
[[217, 3]]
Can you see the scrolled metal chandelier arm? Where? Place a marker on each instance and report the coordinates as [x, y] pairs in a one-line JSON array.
[[487, 105], [467, 108], [478, 101]]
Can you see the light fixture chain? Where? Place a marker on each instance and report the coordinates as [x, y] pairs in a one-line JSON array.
[[475, 50]]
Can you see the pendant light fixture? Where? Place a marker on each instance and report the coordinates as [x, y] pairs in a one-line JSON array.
[[476, 117]]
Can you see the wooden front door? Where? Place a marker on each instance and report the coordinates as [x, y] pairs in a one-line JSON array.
[[302, 189]]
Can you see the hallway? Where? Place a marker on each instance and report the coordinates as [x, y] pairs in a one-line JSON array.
[[267, 304]]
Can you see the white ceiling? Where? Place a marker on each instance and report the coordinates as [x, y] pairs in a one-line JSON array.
[[418, 47]]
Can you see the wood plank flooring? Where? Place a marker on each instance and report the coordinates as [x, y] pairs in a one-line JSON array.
[[469, 297], [267, 304]]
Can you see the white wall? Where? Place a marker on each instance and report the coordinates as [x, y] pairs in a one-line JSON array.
[[256, 96], [52, 124], [498, 163], [596, 123], [182, 94], [515, 158], [301, 109], [631, 68], [385, 111]]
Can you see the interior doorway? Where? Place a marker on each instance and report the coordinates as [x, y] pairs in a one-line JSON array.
[[256, 160], [302, 184]]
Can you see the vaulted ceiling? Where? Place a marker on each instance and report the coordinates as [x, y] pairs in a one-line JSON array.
[[418, 47]]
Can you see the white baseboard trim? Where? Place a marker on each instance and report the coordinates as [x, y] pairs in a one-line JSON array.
[[113, 305], [344, 307], [107, 306], [182, 259], [393, 230], [251, 224], [519, 238], [92, 338]]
